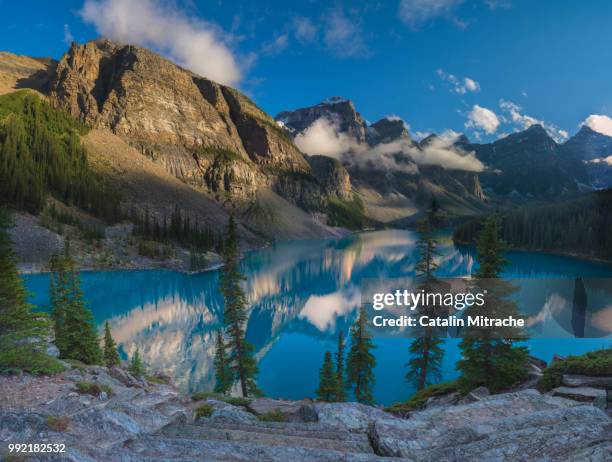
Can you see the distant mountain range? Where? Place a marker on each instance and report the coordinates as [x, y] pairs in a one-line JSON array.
[[167, 136], [522, 167]]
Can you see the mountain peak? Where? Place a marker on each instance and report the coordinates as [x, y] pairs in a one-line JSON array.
[[387, 129], [336, 100], [338, 110], [536, 129]]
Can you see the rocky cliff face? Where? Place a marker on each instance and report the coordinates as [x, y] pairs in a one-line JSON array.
[[208, 135]]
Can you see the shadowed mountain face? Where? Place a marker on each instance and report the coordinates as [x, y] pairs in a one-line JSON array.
[[530, 164], [595, 151]]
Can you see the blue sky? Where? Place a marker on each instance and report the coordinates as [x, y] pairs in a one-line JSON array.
[[525, 61]]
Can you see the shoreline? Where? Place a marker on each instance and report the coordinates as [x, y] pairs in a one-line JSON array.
[[560, 253]]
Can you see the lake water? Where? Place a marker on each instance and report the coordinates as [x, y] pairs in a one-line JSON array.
[[301, 295]]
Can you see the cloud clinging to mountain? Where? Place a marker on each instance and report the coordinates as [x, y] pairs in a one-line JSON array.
[[599, 123], [194, 44], [523, 121], [324, 137]]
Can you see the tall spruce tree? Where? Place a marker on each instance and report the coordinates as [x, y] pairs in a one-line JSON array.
[[75, 333], [235, 314], [224, 375], [340, 381], [328, 385], [360, 361], [22, 331], [111, 356], [136, 367], [426, 350], [490, 356]]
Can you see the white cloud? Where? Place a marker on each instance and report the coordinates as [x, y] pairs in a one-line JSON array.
[[461, 86], [470, 85], [599, 123], [277, 45], [68, 37], [324, 137], [481, 118], [524, 121], [343, 35], [416, 12], [194, 44], [304, 30], [495, 4]]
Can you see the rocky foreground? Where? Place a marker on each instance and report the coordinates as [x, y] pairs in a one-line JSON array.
[[108, 415]]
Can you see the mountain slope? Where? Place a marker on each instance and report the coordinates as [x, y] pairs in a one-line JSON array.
[[170, 138], [23, 72]]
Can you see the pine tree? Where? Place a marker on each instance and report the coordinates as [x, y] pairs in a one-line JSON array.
[[235, 314], [426, 350], [111, 356], [224, 376], [360, 361], [22, 332], [136, 367], [340, 382], [328, 384], [75, 333], [489, 356]]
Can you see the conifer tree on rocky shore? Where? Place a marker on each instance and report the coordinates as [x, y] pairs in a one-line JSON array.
[[75, 333], [490, 357], [111, 356], [360, 361], [22, 331], [235, 314]]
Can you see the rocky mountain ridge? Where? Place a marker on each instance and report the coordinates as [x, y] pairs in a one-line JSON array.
[[522, 166], [388, 174]]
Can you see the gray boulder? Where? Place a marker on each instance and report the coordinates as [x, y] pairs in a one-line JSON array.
[[354, 417], [574, 380], [293, 411]]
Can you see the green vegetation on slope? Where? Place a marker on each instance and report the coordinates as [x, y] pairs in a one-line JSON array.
[[420, 398], [595, 363], [21, 330], [41, 153], [580, 226], [347, 214]]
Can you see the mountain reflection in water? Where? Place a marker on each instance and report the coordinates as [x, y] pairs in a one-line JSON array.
[[301, 294]]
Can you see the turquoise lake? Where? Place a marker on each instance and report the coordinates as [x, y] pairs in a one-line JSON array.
[[301, 294]]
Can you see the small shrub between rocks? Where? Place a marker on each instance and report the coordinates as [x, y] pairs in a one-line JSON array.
[[273, 416], [200, 395], [204, 411], [79, 365], [419, 399], [237, 401], [156, 379], [94, 389], [58, 423], [595, 363]]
